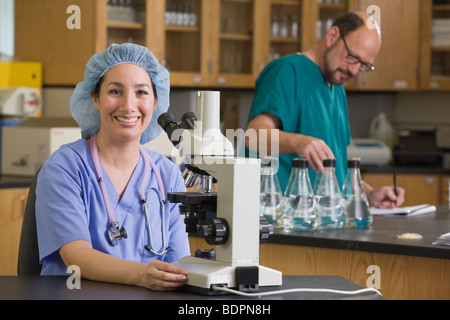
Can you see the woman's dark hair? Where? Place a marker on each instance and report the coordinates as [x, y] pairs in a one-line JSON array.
[[98, 86], [348, 23]]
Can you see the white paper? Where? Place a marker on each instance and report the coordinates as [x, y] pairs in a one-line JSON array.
[[443, 240], [404, 211]]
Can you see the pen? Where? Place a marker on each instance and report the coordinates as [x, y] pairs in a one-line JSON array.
[[395, 185]]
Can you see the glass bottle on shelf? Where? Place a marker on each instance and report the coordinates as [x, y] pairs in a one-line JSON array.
[[182, 29], [300, 211], [236, 39], [440, 41], [329, 199], [271, 198], [284, 29], [355, 199], [293, 27]]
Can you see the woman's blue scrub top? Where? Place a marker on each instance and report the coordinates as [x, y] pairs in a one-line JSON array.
[[70, 207]]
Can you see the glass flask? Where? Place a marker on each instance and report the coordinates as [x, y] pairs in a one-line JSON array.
[[317, 181], [355, 199], [330, 207], [271, 197], [300, 208]]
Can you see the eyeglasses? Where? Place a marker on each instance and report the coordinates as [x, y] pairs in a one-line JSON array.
[[352, 59]]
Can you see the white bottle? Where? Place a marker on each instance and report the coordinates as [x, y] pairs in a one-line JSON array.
[[382, 130]]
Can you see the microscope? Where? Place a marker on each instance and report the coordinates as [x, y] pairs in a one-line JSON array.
[[229, 217]]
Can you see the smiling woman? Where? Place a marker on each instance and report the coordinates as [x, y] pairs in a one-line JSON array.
[[108, 179]]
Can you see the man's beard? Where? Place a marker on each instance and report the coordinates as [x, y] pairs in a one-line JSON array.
[[328, 73]]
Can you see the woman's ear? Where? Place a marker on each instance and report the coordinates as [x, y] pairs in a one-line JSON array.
[[94, 99]]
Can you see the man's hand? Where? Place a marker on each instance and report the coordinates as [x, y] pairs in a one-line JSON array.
[[385, 197]]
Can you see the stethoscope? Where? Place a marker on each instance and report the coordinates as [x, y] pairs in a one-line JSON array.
[[115, 233]]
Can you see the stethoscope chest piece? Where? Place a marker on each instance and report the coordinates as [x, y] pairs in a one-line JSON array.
[[115, 234]]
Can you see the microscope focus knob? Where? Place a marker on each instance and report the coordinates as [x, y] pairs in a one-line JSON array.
[[218, 232], [265, 230]]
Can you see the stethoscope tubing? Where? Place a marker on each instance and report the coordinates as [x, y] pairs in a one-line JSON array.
[[149, 247], [148, 163], [101, 180]]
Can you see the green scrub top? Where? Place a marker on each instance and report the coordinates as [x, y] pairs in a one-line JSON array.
[[294, 89]]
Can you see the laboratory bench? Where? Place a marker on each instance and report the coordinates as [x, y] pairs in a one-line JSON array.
[[7, 181], [408, 269], [56, 288]]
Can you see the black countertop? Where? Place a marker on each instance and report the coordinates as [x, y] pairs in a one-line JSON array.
[[55, 288], [381, 237], [14, 182]]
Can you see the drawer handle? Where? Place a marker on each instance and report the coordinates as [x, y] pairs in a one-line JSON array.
[[221, 80], [197, 79]]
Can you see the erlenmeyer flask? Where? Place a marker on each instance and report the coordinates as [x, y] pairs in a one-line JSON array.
[[355, 199], [329, 199], [300, 211], [271, 198]]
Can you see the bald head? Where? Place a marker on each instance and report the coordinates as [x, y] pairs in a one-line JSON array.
[[362, 28]]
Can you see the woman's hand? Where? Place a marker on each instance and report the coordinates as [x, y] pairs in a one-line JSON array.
[[163, 276], [99, 266]]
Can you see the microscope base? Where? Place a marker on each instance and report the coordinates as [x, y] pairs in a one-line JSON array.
[[204, 274]]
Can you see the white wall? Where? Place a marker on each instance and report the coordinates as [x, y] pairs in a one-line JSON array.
[[7, 28]]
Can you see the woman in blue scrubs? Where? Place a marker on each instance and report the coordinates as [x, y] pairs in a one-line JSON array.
[[124, 91]]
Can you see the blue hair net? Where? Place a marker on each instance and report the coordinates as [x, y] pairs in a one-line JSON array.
[[81, 105]]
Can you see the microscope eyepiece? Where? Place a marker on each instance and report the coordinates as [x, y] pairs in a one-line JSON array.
[[165, 119], [188, 119], [168, 123]]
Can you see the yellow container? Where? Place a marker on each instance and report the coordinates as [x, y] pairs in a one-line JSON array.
[[20, 74]]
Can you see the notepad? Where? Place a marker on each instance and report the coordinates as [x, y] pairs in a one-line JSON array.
[[404, 211]]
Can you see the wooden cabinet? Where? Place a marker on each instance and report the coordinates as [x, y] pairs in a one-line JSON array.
[[227, 46], [42, 35], [420, 188], [180, 47], [435, 45], [445, 190], [230, 41], [397, 64], [12, 204]]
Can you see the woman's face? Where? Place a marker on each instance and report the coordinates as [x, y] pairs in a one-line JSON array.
[[126, 102]]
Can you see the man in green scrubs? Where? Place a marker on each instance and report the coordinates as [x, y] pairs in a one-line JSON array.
[[302, 98]]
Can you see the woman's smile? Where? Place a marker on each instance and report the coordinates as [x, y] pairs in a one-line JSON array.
[[127, 120]]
